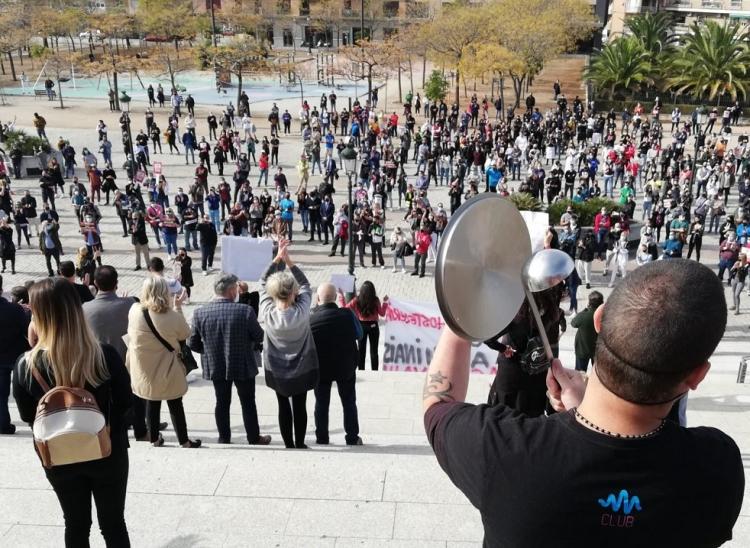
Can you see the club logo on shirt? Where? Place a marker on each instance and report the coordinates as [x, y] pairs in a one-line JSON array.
[[622, 507]]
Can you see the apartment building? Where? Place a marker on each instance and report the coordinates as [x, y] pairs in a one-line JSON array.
[[614, 13], [325, 23]]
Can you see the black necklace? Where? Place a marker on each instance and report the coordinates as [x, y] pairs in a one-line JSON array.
[[601, 430]]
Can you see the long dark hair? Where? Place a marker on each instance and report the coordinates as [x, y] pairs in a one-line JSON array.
[[367, 299]]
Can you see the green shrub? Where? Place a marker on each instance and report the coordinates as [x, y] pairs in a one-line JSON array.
[[586, 211], [28, 144], [525, 202]]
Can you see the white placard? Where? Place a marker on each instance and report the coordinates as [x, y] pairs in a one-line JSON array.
[[246, 258], [344, 282], [537, 222], [412, 331]]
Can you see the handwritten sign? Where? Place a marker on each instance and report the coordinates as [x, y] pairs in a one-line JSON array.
[[412, 331]]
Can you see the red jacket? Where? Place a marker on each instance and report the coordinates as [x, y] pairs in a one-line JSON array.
[[263, 161], [422, 242], [601, 221]]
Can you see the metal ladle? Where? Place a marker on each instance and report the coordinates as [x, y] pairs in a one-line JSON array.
[[544, 269]]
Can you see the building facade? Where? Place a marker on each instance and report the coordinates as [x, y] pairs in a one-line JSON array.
[[614, 13], [323, 23]]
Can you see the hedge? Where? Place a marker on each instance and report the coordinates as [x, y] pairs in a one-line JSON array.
[[586, 211]]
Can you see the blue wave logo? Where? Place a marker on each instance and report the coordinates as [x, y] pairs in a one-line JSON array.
[[623, 500]]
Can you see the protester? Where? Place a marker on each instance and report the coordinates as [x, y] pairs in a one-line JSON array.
[[611, 469], [155, 330], [368, 309], [226, 334], [335, 332], [290, 360], [67, 354], [13, 324], [585, 341]]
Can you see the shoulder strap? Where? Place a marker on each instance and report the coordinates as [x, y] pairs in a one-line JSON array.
[[39, 379], [151, 326]]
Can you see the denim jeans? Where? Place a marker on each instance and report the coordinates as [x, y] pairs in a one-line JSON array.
[[246, 393], [215, 216], [305, 214], [207, 256], [191, 233], [170, 240], [348, 394]]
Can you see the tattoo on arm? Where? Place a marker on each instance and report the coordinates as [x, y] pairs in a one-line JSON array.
[[437, 385]]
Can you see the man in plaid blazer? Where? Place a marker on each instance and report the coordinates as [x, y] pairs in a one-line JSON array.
[[226, 333]]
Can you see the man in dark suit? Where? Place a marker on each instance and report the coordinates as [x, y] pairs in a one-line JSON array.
[[331, 171], [107, 315], [68, 271], [13, 325], [336, 331], [225, 333]]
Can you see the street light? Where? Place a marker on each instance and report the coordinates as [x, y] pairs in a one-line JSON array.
[[349, 159], [125, 101]]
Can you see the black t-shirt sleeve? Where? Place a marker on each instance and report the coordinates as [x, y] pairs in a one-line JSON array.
[[457, 433]]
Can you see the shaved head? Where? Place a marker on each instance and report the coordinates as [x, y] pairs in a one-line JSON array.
[[326, 293]]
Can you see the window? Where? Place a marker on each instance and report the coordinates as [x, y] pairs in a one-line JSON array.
[[304, 7], [217, 4], [284, 7], [288, 38]]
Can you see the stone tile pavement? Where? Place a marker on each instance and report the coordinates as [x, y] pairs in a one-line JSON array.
[[388, 493]]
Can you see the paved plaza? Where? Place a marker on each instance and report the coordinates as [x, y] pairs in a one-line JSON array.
[[388, 493]]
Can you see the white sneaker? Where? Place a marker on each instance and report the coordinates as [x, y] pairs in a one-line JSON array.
[[205, 272], [394, 270], [403, 271], [382, 267]]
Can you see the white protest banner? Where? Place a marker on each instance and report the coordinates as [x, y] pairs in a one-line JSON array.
[[411, 334], [157, 168], [537, 222], [246, 258], [344, 282]]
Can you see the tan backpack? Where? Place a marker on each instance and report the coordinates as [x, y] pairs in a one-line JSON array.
[[69, 427]]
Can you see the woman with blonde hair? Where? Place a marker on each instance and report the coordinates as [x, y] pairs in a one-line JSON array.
[[290, 360], [66, 353], [155, 331]]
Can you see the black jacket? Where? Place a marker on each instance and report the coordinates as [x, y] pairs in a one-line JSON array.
[[13, 324], [114, 396], [335, 331]]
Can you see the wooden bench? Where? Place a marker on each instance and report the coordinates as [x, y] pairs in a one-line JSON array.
[[43, 93]]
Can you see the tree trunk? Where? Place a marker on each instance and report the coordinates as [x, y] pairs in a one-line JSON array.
[[411, 76], [518, 88], [239, 87], [369, 82], [45, 42], [12, 66], [2, 65], [171, 72], [57, 44], [72, 43], [127, 43], [400, 95], [458, 87], [117, 93], [20, 55], [502, 96], [424, 69], [59, 92]]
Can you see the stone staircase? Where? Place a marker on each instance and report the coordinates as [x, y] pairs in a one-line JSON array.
[[566, 68]]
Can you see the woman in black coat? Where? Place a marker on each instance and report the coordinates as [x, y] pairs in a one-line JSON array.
[[516, 385]]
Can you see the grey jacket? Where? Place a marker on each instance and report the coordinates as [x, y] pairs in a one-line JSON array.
[[107, 315], [290, 360]]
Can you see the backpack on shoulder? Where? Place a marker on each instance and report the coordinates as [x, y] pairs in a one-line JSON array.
[[69, 427]]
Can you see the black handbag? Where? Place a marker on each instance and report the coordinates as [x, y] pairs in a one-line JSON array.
[[184, 354], [534, 360]]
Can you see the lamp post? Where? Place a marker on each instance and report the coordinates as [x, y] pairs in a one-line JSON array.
[[125, 102], [349, 158]]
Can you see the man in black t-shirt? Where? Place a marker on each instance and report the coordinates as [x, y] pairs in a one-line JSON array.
[[607, 469]]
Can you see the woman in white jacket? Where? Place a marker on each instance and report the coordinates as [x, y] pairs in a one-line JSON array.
[[398, 245]]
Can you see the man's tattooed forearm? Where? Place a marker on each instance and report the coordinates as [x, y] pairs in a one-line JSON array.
[[437, 385]]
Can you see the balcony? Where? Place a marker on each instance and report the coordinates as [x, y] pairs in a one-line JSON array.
[[284, 7], [418, 10], [390, 9]]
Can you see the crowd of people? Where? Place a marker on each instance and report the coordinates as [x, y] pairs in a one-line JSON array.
[[569, 152]]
